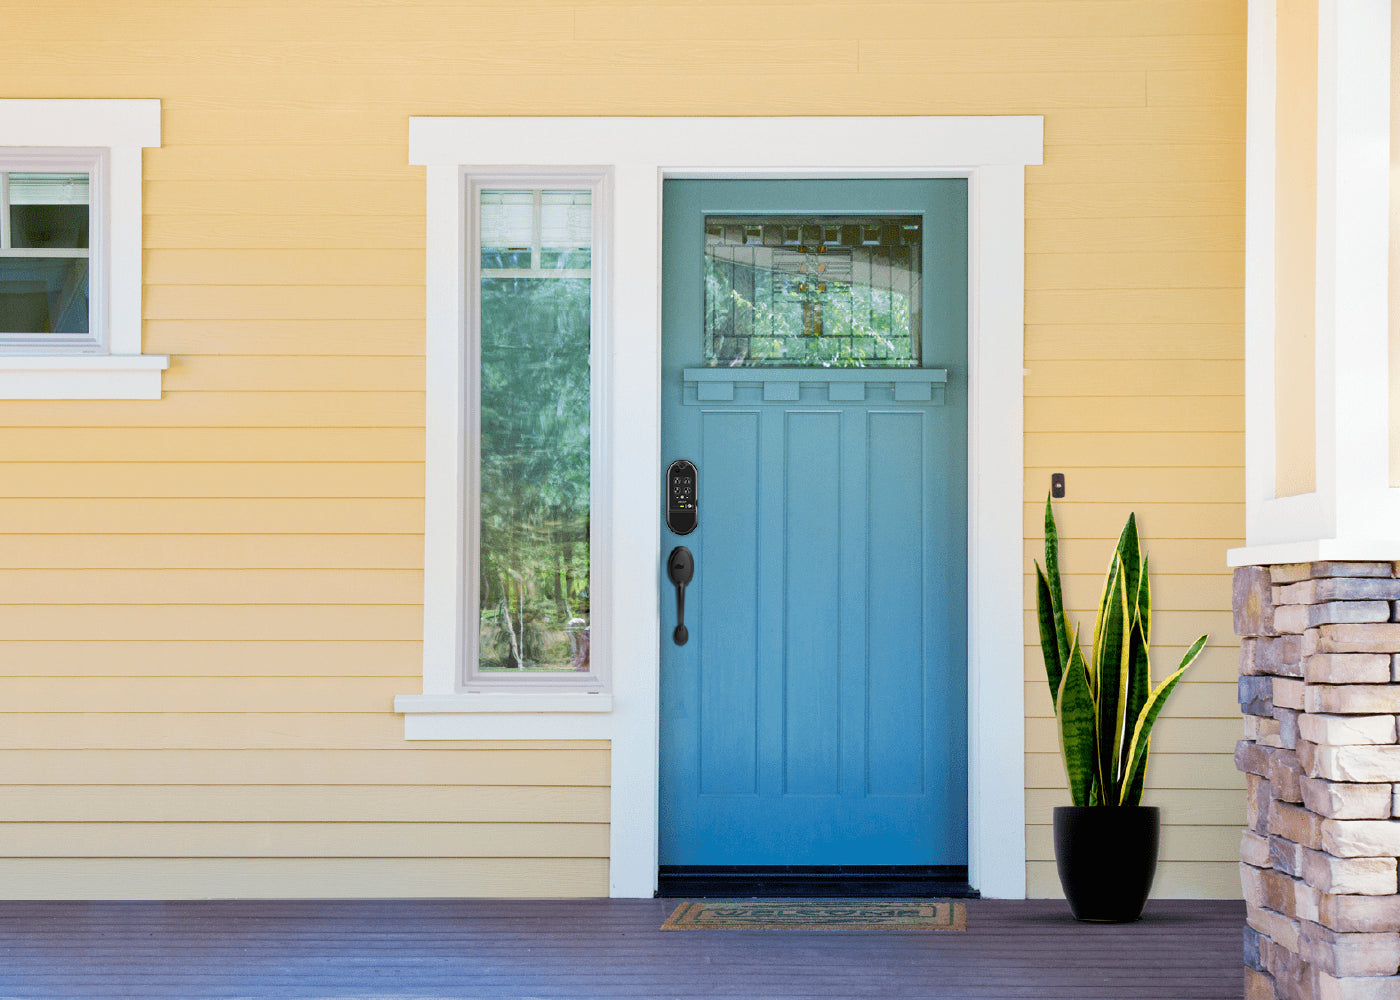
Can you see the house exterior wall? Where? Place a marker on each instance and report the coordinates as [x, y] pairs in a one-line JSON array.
[[209, 601]]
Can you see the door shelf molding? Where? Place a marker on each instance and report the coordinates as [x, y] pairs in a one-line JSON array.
[[837, 385]]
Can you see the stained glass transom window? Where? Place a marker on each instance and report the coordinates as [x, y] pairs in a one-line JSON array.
[[819, 291]]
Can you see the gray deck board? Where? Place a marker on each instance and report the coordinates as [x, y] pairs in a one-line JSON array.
[[413, 950]]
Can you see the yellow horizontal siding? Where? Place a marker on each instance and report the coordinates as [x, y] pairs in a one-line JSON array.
[[329, 232], [1115, 19], [177, 877], [306, 804], [201, 444], [1168, 305], [225, 410], [213, 480], [229, 768], [165, 302], [1219, 269], [201, 693], [1131, 234], [208, 602], [1154, 520], [1060, 200], [1067, 450], [290, 267], [1190, 161], [124, 727], [197, 515], [92, 551], [211, 621], [306, 840], [1142, 414], [210, 586], [1175, 377]]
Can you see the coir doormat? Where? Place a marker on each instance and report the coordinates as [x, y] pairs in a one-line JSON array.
[[818, 915]]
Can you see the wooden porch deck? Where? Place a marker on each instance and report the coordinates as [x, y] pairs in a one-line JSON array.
[[1181, 950]]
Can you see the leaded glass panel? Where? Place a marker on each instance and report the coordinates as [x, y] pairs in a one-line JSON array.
[[821, 291]]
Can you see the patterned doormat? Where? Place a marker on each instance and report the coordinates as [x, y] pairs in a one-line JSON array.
[[818, 915]]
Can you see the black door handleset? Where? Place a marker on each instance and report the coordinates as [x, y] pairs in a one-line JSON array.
[[680, 568]]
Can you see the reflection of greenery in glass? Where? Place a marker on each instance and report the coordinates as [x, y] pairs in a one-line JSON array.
[[535, 381], [534, 473], [812, 291]]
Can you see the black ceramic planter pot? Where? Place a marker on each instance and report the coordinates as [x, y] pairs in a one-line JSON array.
[[1106, 857]]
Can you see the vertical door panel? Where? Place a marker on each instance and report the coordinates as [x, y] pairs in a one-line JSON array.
[[894, 608], [811, 660], [727, 634]]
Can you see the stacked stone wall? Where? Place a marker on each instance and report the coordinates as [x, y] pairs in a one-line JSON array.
[[1320, 689]]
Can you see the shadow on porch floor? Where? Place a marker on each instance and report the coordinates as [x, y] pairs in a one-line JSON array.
[[1180, 950]]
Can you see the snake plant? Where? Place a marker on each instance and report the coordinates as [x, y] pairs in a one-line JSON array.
[[1105, 706]]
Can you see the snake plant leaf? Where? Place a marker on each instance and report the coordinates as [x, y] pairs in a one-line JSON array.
[[1075, 711], [1132, 788], [1110, 667], [1139, 686], [1130, 553], [1052, 576], [1050, 624], [1142, 731], [1144, 605]]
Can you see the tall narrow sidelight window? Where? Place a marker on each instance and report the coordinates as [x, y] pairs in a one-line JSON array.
[[535, 308]]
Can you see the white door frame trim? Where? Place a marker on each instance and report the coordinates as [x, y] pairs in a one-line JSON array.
[[640, 153]]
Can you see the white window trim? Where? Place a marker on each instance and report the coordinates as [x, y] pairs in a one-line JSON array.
[[113, 132], [992, 153]]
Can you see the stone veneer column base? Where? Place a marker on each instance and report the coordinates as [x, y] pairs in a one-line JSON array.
[[1320, 688]]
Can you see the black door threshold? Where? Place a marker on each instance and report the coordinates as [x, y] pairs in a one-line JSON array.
[[803, 881]]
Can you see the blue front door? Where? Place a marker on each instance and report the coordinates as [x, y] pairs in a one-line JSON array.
[[814, 371]]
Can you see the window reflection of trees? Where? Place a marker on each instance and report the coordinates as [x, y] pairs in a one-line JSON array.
[[535, 467], [830, 292]]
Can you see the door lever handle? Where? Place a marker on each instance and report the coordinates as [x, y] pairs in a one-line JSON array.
[[680, 567]]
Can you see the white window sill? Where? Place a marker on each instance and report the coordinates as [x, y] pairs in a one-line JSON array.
[[527, 715], [81, 376]]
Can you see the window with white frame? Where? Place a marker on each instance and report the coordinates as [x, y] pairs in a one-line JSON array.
[[516, 502], [70, 249], [532, 305]]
